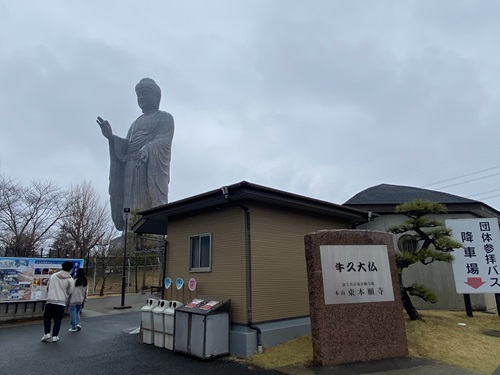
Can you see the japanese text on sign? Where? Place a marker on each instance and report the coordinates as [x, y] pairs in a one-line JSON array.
[[475, 265], [356, 274]]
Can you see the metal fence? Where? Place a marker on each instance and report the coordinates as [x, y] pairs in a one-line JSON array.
[[105, 274]]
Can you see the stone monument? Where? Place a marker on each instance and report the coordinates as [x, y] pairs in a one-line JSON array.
[[140, 162], [355, 304]]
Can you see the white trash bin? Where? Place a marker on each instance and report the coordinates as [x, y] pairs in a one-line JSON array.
[[159, 323], [169, 324], [147, 320]]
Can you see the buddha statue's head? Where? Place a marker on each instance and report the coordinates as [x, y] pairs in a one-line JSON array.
[[148, 94]]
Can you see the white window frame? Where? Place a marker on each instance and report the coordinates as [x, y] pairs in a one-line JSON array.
[[199, 268]]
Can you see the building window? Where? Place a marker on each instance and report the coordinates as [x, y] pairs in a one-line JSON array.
[[200, 248]]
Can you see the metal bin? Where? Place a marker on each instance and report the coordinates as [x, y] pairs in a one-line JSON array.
[[202, 330]]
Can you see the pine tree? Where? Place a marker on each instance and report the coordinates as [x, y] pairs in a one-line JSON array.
[[425, 240]]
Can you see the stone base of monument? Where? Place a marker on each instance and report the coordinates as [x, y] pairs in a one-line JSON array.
[[355, 304]]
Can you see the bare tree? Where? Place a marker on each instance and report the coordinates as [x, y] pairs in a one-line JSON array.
[[102, 261], [63, 246], [28, 215], [87, 224]]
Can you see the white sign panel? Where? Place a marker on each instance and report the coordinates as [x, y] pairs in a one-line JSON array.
[[475, 265], [356, 274]]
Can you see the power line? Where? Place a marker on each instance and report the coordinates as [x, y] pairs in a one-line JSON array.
[[458, 177], [484, 192], [467, 181]]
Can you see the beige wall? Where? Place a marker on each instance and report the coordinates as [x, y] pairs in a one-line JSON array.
[[227, 277], [279, 277], [279, 280]]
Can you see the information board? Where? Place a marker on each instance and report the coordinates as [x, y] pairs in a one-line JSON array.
[[26, 278]]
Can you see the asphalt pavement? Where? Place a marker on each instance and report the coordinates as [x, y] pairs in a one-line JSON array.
[[109, 343]]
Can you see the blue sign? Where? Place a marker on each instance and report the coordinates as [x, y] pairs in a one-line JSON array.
[[179, 283], [168, 282]]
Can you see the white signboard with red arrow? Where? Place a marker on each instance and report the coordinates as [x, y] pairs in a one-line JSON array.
[[476, 265]]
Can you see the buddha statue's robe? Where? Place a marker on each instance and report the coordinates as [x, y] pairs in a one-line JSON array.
[[136, 185]]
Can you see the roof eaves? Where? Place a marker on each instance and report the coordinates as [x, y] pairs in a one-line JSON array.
[[245, 191]]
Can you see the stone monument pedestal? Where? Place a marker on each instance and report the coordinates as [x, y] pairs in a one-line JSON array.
[[355, 304]]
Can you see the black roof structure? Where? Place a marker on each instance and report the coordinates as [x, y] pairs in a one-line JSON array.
[[383, 199], [155, 220]]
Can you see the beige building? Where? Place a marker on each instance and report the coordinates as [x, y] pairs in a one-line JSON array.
[[246, 242]]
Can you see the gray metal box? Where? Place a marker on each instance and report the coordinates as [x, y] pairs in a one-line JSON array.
[[202, 330]]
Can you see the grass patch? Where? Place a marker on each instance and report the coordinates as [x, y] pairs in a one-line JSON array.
[[442, 339], [439, 338], [296, 352]]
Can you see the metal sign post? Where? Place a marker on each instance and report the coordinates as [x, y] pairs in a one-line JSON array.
[[124, 275]]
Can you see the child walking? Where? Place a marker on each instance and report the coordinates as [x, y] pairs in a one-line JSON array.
[[77, 300]]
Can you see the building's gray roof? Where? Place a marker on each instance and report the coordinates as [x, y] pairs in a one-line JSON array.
[[155, 220], [396, 194], [383, 199]]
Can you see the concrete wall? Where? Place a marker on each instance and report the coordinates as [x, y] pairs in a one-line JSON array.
[[243, 339], [21, 310]]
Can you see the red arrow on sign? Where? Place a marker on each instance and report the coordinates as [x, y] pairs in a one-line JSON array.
[[475, 282]]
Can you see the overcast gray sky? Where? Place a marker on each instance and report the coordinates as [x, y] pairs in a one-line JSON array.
[[319, 98]]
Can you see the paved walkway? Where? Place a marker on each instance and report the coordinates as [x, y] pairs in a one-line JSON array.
[[109, 344], [97, 306]]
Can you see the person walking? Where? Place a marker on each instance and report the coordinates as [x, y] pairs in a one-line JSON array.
[[59, 288], [77, 300]]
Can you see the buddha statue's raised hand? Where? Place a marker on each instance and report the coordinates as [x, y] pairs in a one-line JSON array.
[[106, 129]]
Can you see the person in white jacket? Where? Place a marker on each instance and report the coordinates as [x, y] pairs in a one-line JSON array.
[[60, 287], [77, 300]]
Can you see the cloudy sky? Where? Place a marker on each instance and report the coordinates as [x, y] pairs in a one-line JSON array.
[[321, 98]]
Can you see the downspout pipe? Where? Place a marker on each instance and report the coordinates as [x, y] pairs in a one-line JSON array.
[[164, 273], [248, 245]]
